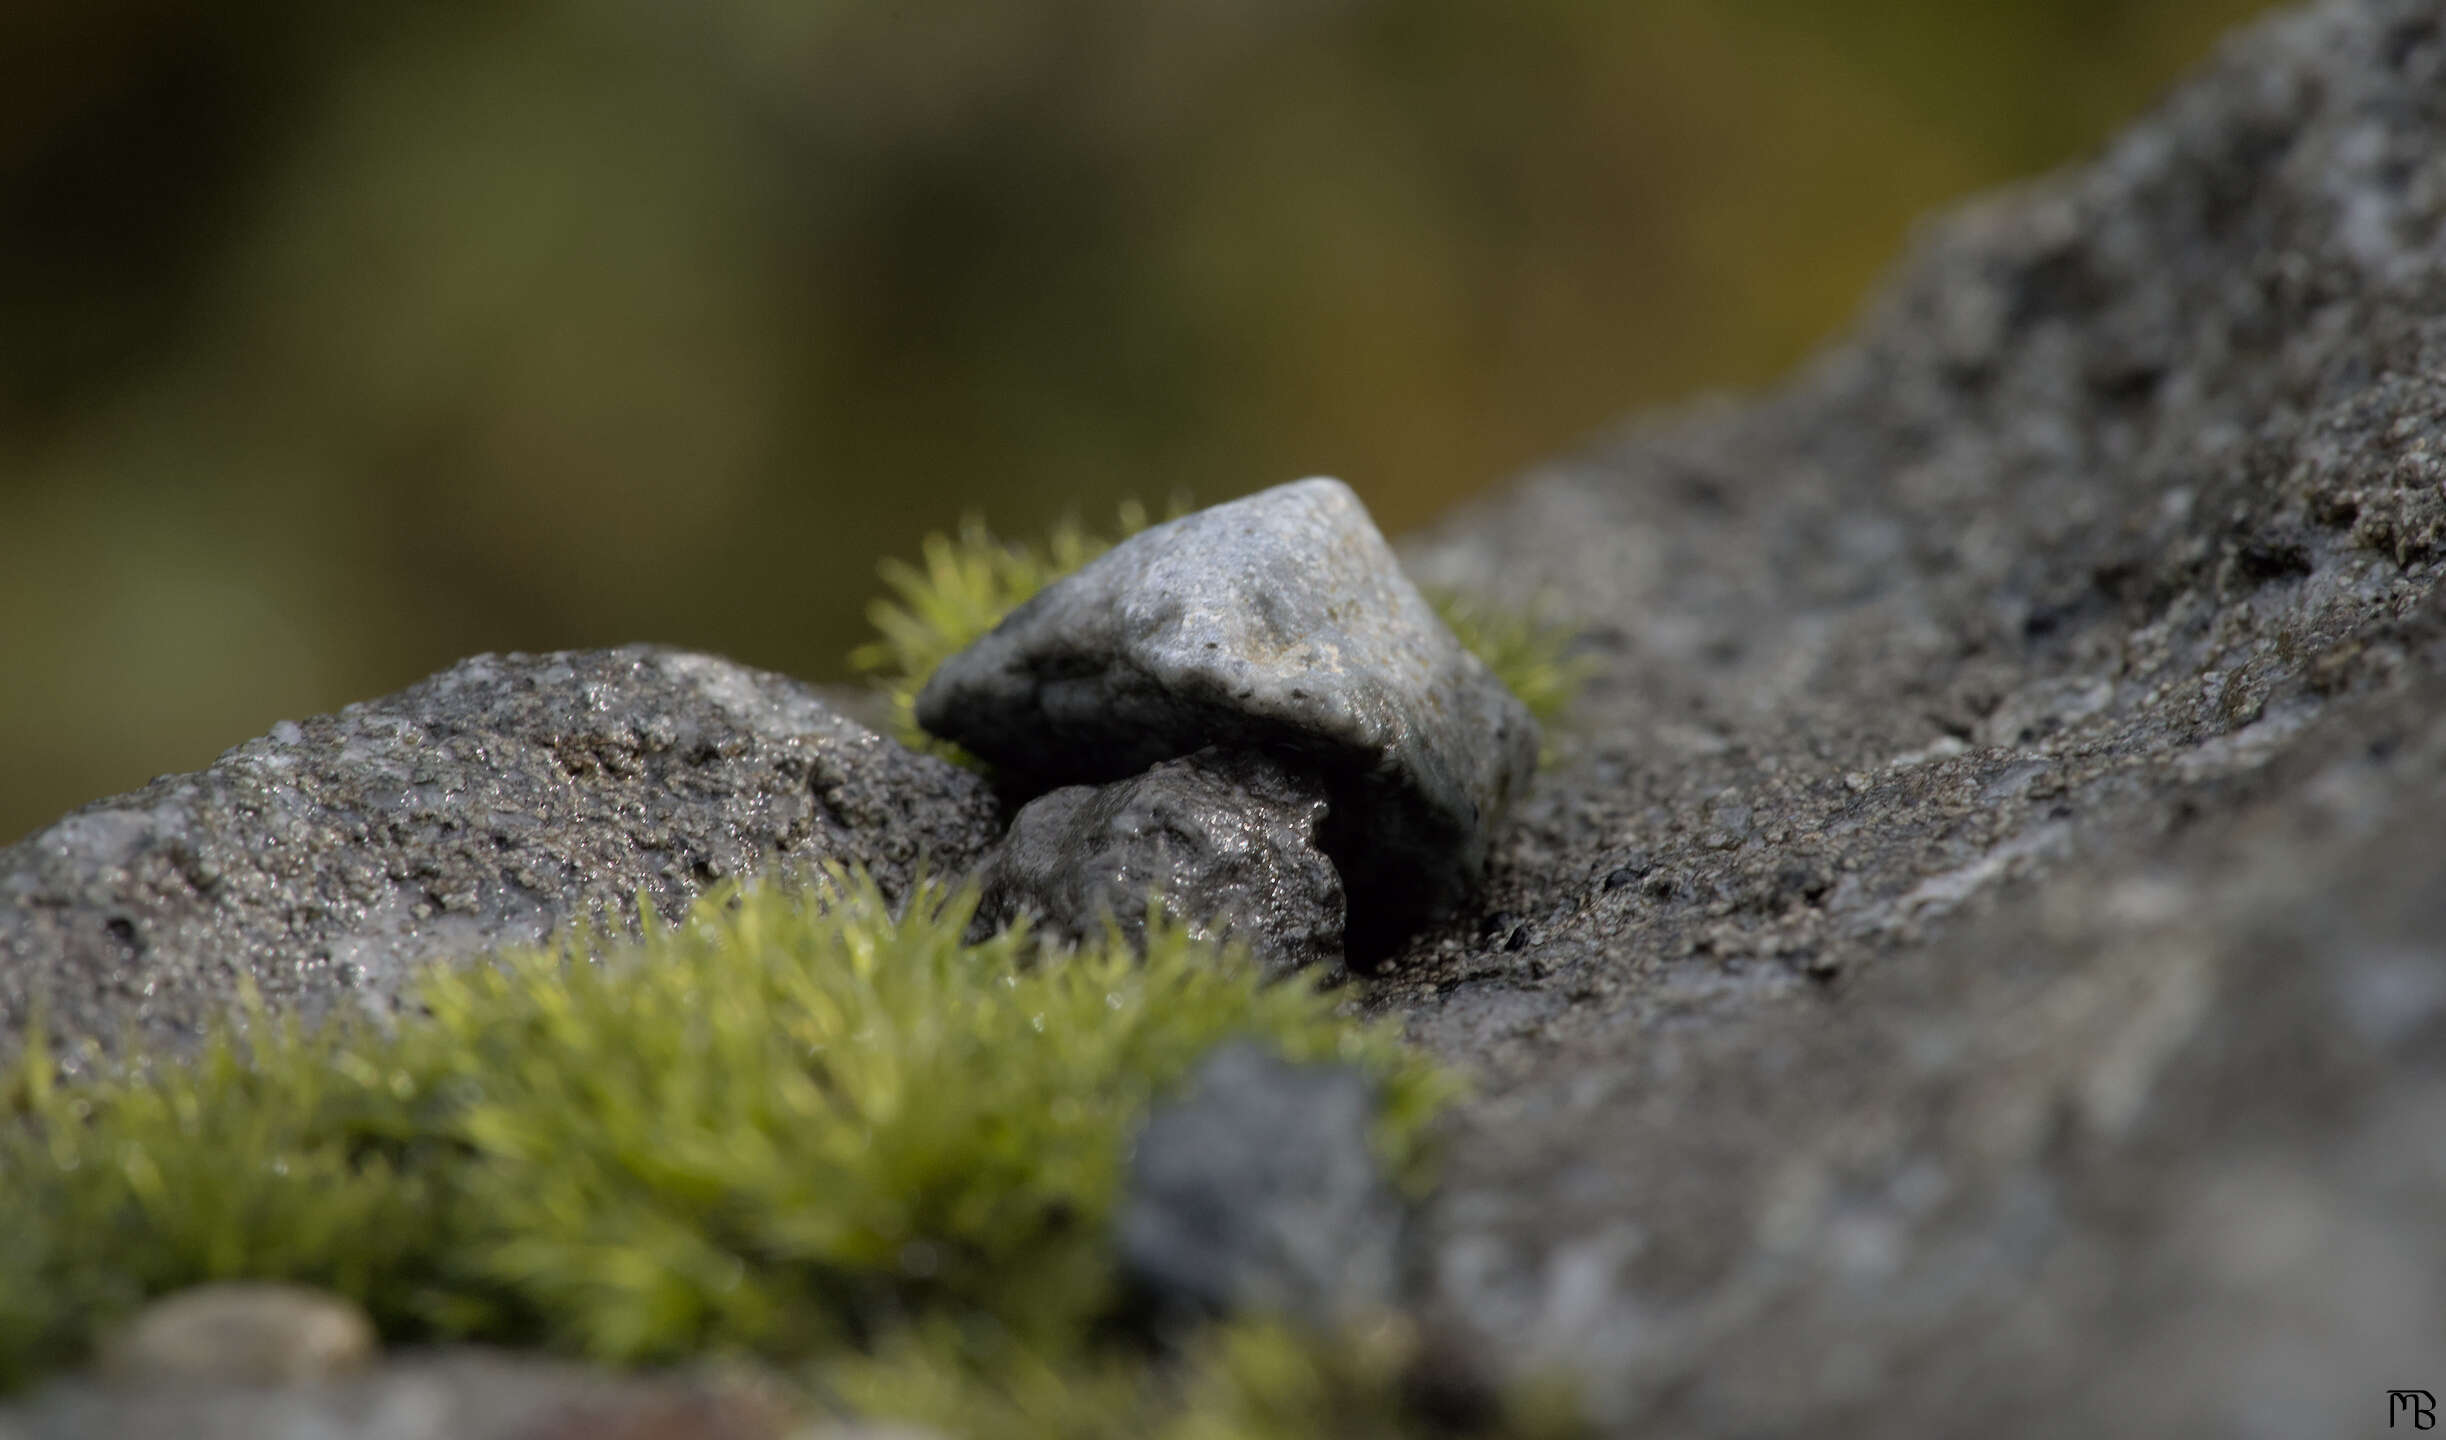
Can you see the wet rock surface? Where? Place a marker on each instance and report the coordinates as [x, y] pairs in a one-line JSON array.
[[1229, 839], [1257, 1192], [1280, 622], [1977, 963], [484, 806]]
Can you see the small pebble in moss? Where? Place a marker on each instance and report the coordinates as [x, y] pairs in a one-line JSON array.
[[1257, 1192], [240, 1334]]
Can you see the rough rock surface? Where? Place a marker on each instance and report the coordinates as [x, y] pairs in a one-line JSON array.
[[1257, 1191], [483, 806], [1281, 622], [1229, 839], [1979, 964]]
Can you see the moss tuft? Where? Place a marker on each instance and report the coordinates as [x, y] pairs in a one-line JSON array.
[[967, 584], [1535, 658], [1238, 1380], [971, 580], [792, 1126]]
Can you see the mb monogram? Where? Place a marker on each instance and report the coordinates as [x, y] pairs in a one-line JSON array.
[[2419, 1405]]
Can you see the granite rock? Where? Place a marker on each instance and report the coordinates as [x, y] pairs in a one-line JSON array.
[[1280, 622], [484, 806], [1257, 1191], [1229, 839]]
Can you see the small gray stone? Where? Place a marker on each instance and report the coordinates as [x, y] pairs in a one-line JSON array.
[[1228, 839], [241, 1334], [1284, 622], [1258, 1192]]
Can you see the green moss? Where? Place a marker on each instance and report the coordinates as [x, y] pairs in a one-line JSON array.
[[1532, 656], [1241, 1380], [970, 581], [966, 585], [793, 1125]]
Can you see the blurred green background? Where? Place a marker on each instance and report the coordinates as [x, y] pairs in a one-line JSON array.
[[340, 341]]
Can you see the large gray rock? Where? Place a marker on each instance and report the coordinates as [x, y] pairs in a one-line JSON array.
[[1229, 839], [1284, 622], [1257, 1192], [1979, 966], [485, 806]]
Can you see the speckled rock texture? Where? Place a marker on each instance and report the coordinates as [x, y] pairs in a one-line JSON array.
[[1256, 1191], [1230, 839], [1280, 622], [1977, 964], [486, 805]]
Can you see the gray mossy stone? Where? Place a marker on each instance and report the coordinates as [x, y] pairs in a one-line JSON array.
[[1283, 622], [1258, 1192], [1228, 839], [488, 805]]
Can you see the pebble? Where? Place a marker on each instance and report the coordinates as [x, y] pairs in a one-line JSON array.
[[241, 1334], [1257, 1191], [1281, 622], [1229, 840]]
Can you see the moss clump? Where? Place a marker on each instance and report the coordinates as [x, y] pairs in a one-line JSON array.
[[1239, 1380], [792, 1126], [971, 580], [968, 582], [1533, 657]]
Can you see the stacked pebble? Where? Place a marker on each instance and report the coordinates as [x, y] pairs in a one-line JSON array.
[[1331, 724]]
